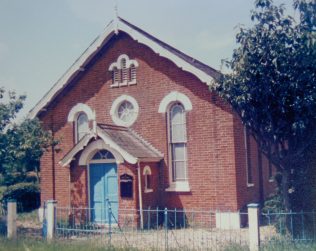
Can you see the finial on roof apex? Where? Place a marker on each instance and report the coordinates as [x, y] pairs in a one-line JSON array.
[[116, 16]]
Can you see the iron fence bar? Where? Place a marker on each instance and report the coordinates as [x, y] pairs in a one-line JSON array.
[[314, 227], [166, 228], [292, 233], [303, 227]]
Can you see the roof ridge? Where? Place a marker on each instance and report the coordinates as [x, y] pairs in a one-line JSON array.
[[145, 142], [112, 127]]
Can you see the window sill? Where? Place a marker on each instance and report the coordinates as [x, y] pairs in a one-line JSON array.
[[179, 187], [148, 190], [250, 184]]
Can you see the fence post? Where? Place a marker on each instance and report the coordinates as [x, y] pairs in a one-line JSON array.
[[254, 232], [166, 227], [110, 222], [51, 209], [11, 219]]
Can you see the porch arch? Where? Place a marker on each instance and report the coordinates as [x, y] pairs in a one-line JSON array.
[[93, 148]]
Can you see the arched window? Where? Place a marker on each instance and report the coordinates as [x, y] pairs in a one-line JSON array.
[[148, 183], [178, 142], [82, 126], [103, 155]]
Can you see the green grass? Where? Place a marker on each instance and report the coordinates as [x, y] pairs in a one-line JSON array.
[[39, 245], [70, 245], [288, 246]]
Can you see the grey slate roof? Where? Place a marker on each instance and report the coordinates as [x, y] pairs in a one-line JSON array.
[[131, 142]]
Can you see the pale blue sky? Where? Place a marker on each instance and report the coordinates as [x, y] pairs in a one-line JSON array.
[[40, 39]]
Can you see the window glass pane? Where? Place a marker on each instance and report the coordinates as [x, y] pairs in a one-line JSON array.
[[178, 152], [82, 126], [179, 170], [103, 154], [178, 133], [177, 114], [126, 111]]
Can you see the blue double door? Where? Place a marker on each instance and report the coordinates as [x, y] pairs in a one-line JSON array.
[[103, 192]]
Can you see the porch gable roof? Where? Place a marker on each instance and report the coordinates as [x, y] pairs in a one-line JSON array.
[[130, 145]]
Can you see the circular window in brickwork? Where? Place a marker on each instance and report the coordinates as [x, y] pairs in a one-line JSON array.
[[124, 111]]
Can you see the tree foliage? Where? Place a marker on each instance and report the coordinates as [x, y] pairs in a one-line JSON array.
[[272, 84], [21, 145]]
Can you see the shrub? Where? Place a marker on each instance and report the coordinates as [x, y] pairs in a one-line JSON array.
[[27, 196]]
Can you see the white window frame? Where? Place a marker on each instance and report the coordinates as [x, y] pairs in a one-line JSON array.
[[76, 126], [177, 185], [115, 106], [146, 173], [75, 112]]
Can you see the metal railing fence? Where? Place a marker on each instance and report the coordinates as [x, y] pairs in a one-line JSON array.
[[288, 226], [162, 229]]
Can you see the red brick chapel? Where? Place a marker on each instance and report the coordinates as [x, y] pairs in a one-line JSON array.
[[139, 126]]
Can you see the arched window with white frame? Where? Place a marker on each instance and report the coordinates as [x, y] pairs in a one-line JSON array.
[[82, 126], [148, 180], [178, 142]]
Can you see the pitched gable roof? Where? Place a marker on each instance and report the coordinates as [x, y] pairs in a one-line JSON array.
[[202, 71], [131, 146]]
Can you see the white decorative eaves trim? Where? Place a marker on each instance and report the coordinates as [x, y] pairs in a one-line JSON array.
[[172, 97], [80, 107], [69, 157], [118, 65]]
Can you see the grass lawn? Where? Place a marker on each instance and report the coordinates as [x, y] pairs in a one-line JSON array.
[[39, 245]]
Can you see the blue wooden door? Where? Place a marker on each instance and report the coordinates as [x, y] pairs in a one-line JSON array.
[[103, 191]]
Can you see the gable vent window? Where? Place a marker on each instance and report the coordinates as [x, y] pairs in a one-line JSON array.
[[123, 71], [115, 76], [132, 74]]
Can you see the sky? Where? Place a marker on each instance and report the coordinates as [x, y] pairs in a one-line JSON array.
[[40, 39]]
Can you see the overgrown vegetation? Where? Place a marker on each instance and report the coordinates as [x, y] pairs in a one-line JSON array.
[[21, 147], [272, 87]]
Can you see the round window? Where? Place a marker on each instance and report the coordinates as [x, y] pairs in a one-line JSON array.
[[124, 111]]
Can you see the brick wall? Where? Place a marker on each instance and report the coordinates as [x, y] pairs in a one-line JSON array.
[[215, 157]]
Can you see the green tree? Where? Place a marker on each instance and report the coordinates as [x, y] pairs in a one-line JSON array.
[[271, 85], [21, 145]]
